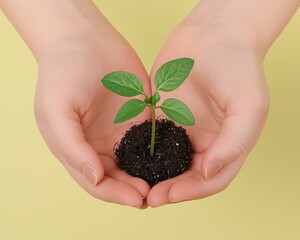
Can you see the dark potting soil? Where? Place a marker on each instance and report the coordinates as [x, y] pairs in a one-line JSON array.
[[172, 156]]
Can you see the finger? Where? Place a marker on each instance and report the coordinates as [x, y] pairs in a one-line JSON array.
[[237, 136], [159, 194], [112, 171], [112, 190], [195, 186], [109, 189], [73, 147], [192, 185]]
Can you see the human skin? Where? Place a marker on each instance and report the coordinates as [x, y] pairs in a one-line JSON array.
[[72, 43], [226, 90], [74, 112]]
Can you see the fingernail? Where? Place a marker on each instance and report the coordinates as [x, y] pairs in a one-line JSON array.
[[212, 169], [90, 173]]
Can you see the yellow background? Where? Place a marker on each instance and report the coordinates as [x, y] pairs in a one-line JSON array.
[[38, 200]]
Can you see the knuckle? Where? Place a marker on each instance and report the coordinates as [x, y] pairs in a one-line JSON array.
[[43, 108], [238, 150], [66, 155], [261, 105]]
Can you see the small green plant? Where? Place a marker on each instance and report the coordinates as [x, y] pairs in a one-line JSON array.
[[167, 78]]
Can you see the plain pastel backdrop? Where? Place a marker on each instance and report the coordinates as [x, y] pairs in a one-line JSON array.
[[38, 199]]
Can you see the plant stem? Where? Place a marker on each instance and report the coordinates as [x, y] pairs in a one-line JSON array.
[[152, 130]]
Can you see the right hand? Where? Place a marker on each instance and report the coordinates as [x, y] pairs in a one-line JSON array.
[[75, 112]]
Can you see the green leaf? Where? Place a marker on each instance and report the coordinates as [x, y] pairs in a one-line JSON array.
[[129, 110], [172, 74], [178, 111], [123, 83]]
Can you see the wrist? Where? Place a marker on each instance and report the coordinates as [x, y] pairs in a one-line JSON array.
[[220, 32], [45, 24], [254, 23]]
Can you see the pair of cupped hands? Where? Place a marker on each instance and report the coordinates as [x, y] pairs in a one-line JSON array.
[[226, 91]]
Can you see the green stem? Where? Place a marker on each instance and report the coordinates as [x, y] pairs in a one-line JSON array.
[[145, 95], [152, 130]]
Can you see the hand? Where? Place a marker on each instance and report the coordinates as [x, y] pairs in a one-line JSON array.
[[227, 93], [75, 113]]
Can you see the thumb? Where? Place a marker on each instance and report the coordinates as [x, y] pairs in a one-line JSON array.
[[236, 138], [74, 149]]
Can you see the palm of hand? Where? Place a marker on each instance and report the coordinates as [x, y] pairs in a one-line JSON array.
[[225, 87], [75, 114], [226, 92]]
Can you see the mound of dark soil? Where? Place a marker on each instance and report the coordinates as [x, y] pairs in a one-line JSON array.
[[173, 151]]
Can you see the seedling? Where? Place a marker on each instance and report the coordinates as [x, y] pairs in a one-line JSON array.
[[167, 78]]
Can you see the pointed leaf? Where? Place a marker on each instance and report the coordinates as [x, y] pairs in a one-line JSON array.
[[123, 83], [172, 74], [129, 110], [178, 111]]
